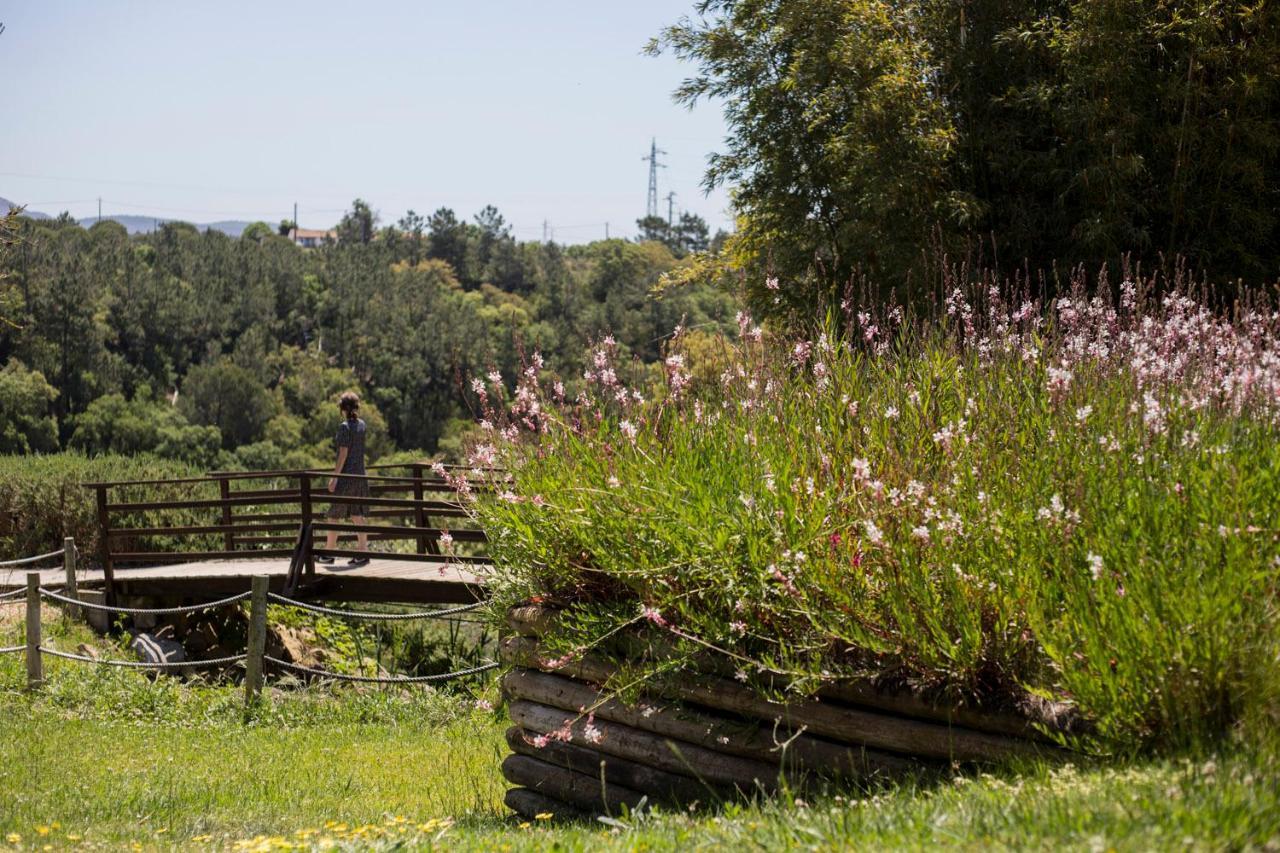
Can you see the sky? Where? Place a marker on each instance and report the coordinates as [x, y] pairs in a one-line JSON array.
[[237, 110]]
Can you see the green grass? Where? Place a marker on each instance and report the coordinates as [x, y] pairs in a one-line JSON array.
[[108, 783], [104, 759]]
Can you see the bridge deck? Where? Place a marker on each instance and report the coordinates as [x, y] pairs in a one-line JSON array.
[[382, 580]]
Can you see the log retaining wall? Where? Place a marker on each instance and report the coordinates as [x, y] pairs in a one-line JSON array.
[[578, 750]]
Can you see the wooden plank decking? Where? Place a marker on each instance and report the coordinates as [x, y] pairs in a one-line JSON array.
[[383, 580]]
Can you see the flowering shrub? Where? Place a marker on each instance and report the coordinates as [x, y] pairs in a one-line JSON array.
[[1077, 500]]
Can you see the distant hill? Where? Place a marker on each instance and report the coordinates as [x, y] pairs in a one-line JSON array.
[[7, 206], [143, 224], [139, 224]]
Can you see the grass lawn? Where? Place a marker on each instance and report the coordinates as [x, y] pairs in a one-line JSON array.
[[109, 759]]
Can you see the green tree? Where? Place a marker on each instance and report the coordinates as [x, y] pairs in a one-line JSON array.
[[868, 136], [112, 424], [25, 400], [257, 231], [357, 224], [840, 139], [229, 397]]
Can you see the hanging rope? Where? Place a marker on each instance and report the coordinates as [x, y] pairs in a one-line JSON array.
[[367, 679], [37, 558], [134, 664], [145, 611], [377, 617]]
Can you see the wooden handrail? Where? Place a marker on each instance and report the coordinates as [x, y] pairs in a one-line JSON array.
[[416, 499], [400, 532], [385, 555]]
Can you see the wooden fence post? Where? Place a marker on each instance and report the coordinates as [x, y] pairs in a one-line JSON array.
[[257, 645], [224, 491], [104, 546], [419, 515], [304, 497], [69, 588], [35, 667]]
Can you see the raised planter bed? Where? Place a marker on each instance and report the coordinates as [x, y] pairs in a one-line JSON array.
[[576, 750]]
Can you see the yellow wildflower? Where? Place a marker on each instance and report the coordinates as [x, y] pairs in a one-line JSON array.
[[525, 825], [544, 816], [42, 830], [13, 838]]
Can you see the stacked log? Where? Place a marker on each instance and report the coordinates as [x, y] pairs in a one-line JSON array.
[[578, 750]]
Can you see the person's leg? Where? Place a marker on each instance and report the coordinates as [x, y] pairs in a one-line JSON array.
[[336, 512], [362, 539]]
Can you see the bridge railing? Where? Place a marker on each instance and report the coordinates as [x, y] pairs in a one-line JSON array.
[[234, 514]]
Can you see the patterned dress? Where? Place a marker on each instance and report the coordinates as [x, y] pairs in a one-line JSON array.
[[351, 436]]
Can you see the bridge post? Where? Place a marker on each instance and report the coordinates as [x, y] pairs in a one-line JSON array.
[[104, 546], [257, 644], [69, 574], [224, 491], [35, 666], [419, 516], [304, 492]]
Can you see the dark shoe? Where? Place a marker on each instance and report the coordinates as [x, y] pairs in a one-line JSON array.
[[324, 559], [357, 562]]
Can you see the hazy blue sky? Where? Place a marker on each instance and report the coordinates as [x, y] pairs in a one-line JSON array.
[[237, 110]]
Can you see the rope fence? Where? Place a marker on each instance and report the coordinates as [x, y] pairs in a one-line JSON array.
[[26, 561], [145, 611], [370, 679], [141, 664], [373, 617], [255, 657]]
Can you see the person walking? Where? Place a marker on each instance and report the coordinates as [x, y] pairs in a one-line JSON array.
[[348, 476]]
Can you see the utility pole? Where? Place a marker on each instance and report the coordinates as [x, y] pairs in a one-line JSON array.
[[671, 198], [651, 207], [99, 208], [295, 221], [544, 230], [606, 230]]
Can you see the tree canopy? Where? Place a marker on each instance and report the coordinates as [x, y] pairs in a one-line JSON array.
[[222, 351], [867, 136]]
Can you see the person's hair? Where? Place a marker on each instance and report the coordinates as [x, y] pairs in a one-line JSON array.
[[349, 402]]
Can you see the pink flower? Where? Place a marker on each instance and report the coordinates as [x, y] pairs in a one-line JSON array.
[[654, 616], [590, 733], [628, 429], [446, 542]]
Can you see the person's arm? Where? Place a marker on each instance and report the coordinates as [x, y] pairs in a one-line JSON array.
[[337, 469], [343, 441]]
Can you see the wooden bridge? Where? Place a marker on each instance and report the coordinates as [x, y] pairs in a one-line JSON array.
[[205, 537]]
